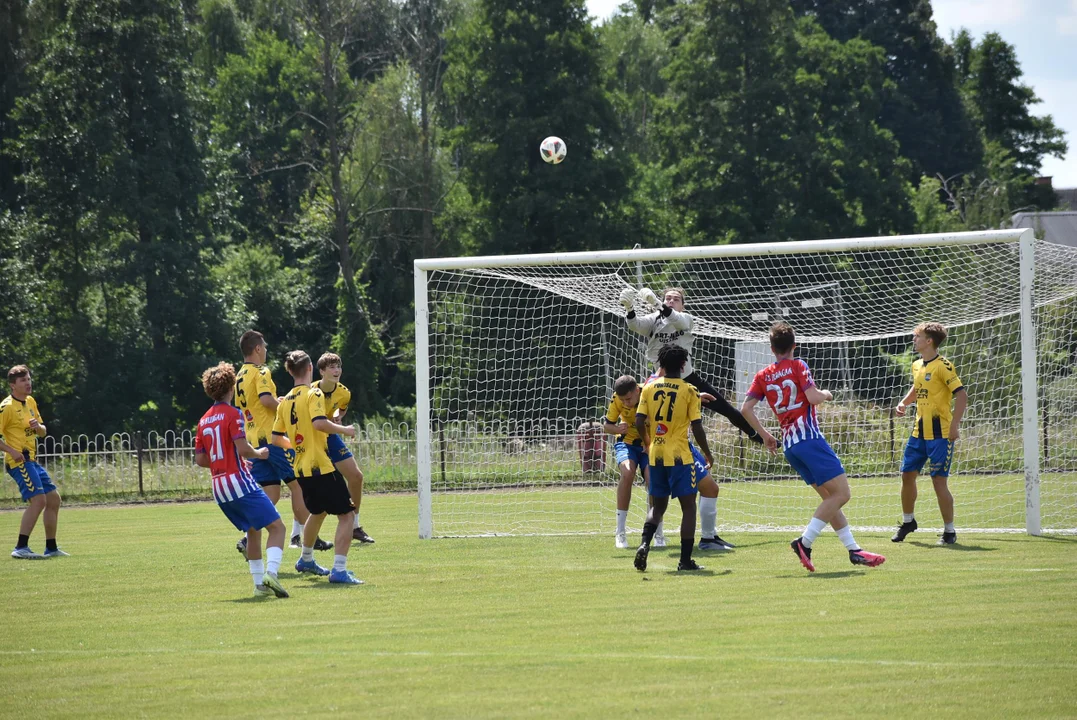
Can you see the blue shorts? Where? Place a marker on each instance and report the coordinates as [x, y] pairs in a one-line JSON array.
[[675, 480], [253, 511], [32, 479], [337, 449], [814, 460], [702, 470], [628, 451], [274, 470], [918, 451]]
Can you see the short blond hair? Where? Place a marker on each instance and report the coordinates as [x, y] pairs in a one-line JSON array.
[[219, 380], [933, 330]]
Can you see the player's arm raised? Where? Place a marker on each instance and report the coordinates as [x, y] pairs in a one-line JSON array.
[[909, 399], [748, 411]]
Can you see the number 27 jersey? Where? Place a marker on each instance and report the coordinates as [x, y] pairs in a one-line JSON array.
[[782, 384]]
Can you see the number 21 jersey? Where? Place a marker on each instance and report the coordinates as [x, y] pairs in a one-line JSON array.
[[782, 384]]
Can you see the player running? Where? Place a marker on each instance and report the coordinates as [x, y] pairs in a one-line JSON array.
[[221, 444], [337, 399], [671, 405], [302, 425], [791, 393]]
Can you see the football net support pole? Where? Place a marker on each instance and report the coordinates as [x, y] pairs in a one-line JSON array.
[[512, 352]]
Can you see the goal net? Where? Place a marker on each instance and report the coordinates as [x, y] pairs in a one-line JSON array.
[[516, 357]]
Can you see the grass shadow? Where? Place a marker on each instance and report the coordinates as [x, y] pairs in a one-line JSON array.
[[1058, 538], [837, 574], [702, 573], [956, 547]]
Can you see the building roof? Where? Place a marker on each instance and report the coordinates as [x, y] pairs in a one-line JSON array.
[[1057, 227]]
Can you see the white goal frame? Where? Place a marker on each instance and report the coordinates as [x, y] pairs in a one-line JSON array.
[[1027, 273]]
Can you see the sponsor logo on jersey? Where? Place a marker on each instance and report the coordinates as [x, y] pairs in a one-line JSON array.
[[927, 376], [298, 439], [660, 429]]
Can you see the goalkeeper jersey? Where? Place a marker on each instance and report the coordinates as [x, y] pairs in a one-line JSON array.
[[675, 329]]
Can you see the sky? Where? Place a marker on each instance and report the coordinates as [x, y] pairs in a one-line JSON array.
[[1044, 33]]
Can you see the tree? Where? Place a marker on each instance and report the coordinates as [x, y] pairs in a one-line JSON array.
[[519, 71], [1000, 104], [770, 128], [922, 106], [114, 178]]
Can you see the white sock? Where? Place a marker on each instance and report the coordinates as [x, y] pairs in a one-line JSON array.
[[273, 558], [297, 527], [949, 527], [622, 517], [356, 518], [308, 553], [340, 562], [257, 571], [907, 517], [846, 537], [661, 528], [811, 532], [708, 517]]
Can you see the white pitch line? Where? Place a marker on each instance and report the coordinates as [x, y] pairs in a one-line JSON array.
[[539, 655]]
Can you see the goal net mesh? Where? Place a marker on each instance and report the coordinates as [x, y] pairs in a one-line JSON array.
[[522, 362]]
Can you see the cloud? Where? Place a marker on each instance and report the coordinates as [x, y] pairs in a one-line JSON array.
[[1067, 24], [950, 15]]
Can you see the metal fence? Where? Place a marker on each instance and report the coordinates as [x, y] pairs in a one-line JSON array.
[[152, 465]]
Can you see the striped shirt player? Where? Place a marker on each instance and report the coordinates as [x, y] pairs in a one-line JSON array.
[[783, 384], [234, 488], [790, 391]]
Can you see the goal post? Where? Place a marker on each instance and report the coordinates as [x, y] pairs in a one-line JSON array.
[[516, 356]]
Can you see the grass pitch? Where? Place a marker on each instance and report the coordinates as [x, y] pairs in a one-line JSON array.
[[152, 616]]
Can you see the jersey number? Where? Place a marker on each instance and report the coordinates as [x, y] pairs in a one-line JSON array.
[[216, 451], [793, 404], [293, 418], [660, 398]]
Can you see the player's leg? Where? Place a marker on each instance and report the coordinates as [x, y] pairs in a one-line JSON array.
[[313, 502], [708, 505], [688, 532], [840, 524], [267, 476], [912, 461], [942, 453], [354, 477], [33, 494], [659, 488], [255, 562], [721, 406], [627, 467], [338, 501]]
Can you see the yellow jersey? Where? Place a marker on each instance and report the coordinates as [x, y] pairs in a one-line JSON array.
[[618, 412], [670, 405], [252, 382], [15, 430], [935, 382], [339, 399], [295, 419]]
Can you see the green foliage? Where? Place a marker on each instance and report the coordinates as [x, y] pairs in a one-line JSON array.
[[770, 127], [921, 105], [517, 73], [991, 83]]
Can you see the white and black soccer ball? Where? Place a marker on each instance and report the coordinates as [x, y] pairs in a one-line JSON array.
[[553, 150]]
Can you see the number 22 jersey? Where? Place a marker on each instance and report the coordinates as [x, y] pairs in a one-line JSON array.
[[782, 384]]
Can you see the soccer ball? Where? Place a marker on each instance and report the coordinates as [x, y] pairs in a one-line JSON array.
[[553, 150]]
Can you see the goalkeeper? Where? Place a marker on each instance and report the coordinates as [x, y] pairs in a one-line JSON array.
[[670, 324]]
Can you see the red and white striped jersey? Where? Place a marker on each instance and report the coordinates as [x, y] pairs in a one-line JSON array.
[[783, 384], [217, 430]]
